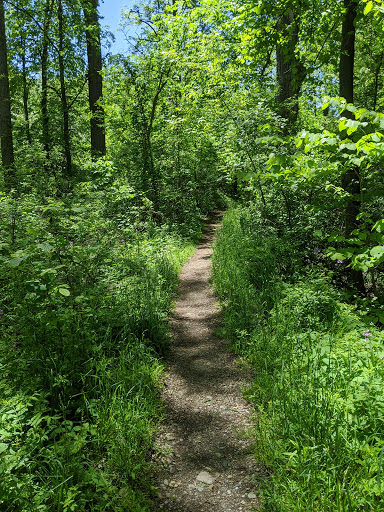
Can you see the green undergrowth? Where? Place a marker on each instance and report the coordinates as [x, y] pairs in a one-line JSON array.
[[318, 387], [86, 286]]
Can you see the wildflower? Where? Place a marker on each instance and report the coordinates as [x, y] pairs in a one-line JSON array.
[[316, 250], [1, 312], [366, 334], [338, 263]]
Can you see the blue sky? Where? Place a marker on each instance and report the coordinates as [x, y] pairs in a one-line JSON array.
[[110, 10]]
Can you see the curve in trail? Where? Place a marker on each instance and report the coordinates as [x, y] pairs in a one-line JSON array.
[[204, 460]]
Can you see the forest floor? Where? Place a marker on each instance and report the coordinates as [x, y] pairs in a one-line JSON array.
[[204, 460]]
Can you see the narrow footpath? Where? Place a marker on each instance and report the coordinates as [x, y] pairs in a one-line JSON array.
[[204, 464]]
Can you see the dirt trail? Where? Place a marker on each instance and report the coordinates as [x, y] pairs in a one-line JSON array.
[[204, 464]]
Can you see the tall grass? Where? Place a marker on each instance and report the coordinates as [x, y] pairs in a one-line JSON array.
[[318, 386], [86, 287]]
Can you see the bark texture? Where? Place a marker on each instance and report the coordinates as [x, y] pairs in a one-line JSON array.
[[95, 80], [7, 155], [44, 81], [63, 93], [351, 178], [289, 70], [347, 53], [25, 89]]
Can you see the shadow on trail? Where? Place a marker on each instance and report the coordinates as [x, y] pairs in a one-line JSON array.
[[227, 455], [203, 405]]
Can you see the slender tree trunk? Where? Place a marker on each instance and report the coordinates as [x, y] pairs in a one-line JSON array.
[[63, 92], [7, 155], [25, 90], [347, 53], [289, 70], [44, 83], [351, 178], [95, 80], [150, 178], [377, 75]]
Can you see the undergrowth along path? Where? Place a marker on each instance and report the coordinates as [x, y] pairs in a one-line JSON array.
[[204, 461]]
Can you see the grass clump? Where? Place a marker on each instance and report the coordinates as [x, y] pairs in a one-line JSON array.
[[319, 372], [86, 285]]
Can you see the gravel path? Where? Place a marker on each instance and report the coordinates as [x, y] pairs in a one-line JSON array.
[[203, 462]]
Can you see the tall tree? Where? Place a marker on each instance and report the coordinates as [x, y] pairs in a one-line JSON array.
[[289, 69], [95, 80], [24, 75], [44, 78], [347, 51], [351, 178], [7, 155], [63, 93]]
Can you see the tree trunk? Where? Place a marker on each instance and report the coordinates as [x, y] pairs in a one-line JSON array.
[[351, 178], [289, 70], [347, 53], [7, 155], [63, 93], [149, 177], [44, 83], [377, 75], [95, 80], [25, 89]]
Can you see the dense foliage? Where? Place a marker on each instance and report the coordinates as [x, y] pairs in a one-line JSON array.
[[318, 369], [107, 169], [87, 283]]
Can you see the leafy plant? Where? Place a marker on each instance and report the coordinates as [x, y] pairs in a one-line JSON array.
[[318, 374]]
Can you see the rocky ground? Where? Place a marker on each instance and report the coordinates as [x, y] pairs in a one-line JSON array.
[[204, 456]]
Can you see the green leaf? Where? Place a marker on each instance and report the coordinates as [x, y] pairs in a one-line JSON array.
[[351, 108], [338, 256], [379, 226], [3, 447], [351, 130], [350, 146], [377, 252], [318, 233], [46, 247], [64, 292], [313, 137], [342, 124], [325, 105], [15, 262], [48, 271], [331, 141], [368, 7]]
